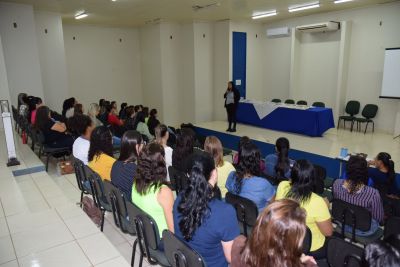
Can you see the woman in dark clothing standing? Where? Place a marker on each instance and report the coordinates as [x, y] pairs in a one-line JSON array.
[[232, 97]]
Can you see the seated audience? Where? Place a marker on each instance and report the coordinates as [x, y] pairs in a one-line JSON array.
[[383, 175], [162, 136], [213, 146], [300, 188], [78, 109], [114, 107], [93, 112], [68, 107], [124, 169], [38, 103], [141, 126], [23, 108], [122, 113], [183, 149], [153, 121], [149, 192], [242, 141], [278, 165], [129, 122], [355, 191], [54, 132], [145, 111], [112, 119], [100, 155], [246, 181], [83, 126], [206, 223], [383, 253], [103, 114], [276, 238]]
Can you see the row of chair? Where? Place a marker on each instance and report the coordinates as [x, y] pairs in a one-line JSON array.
[[352, 109], [300, 102]]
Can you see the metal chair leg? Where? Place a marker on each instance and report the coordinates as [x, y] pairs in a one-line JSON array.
[[373, 127], [366, 126], [47, 162], [133, 253], [102, 220], [80, 203]]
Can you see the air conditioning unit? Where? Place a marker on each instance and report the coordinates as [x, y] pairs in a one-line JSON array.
[[278, 32], [320, 27]]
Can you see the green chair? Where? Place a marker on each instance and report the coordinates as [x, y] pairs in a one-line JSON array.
[[289, 101], [368, 113], [352, 108], [318, 104], [302, 102], [276, 100]]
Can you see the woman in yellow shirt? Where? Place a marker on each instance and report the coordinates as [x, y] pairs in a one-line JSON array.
[[101, 152], [318, 218]]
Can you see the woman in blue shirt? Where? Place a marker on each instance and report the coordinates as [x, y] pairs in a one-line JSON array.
[[207, 224], [246, 181], [383, 175], [278, 165]]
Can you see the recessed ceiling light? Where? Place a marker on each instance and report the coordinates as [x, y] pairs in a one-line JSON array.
[[303, 6], [113, 0], [81, 15], [264, 14], [342, 1]]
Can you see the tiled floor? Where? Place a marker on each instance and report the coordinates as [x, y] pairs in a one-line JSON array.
[[41, 224]]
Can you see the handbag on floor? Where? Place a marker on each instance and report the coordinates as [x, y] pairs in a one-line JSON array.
[[91, 210]]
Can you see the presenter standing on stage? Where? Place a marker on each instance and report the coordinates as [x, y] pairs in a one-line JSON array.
[[232, 97]]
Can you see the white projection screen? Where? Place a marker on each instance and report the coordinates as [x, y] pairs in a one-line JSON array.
[[391, 74]]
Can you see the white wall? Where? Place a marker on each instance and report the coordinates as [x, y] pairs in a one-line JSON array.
[[20, 49], [4, 91], [52, 58], [100, 66]]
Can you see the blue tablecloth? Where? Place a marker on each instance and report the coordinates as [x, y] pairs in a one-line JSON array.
[[311, 122]]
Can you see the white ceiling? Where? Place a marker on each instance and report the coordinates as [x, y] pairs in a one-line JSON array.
[[137, 12]]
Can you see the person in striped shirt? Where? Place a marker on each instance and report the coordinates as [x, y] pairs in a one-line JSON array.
[[354, 190]]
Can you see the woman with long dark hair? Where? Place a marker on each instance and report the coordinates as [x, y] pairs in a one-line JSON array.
[[55, 133], [232, 97], [83, 126], [183, 149], [246, 181], [153, 121], [141, 126], [124, 169], [206, 223], [276, 239], [101, 152], [162, 136], [383, 175], [149, 191], [68, 107], [300, 188], [278, 164]]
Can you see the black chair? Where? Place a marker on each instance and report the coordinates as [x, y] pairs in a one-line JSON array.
[[148, 240], [302, 102], [109, 193], [307, 242], [289, 101], [318, 104], [352, 108], [343, 254], [276, 100], [392, 226], [179, 254], [246, 211], [357, 218], [178, 179], [81, 179], [15, 117], [368, 113]]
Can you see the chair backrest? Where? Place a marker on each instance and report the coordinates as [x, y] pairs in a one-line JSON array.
[[246, 210], [179, 254], [80, 174], [178, 179], [348, 214], [289, 101], [320, 175], [276, 100], [392, 226], [352, 107], [302, 102], [369, 111], [307, 242], [341, 253], [40, 137], [318, 104], [97, 187]]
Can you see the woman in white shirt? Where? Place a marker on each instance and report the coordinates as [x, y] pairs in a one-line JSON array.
[[84, 126], [162, 136]]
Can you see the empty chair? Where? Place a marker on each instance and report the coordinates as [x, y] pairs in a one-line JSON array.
[[392, 226], [343, 254], [276, 100], [81, 179], [289, 101], [352, 108], [179, 254], [368, 113], [246, 211], [302, 102], [318, 104]]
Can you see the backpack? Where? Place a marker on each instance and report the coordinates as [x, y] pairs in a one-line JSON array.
[[92, 210]]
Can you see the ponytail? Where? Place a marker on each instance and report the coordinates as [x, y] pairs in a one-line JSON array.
[[389, 164], [283, 164], [391, 173]]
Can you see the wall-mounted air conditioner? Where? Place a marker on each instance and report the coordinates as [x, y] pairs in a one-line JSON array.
[[278, 32], [320, 27]]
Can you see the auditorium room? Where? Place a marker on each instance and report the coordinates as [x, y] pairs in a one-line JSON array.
[[200, 133]]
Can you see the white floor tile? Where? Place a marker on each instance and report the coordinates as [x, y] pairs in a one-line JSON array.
[[41, 238], [120, 262], [66, 255], [13, 263], [98, 248], [81, 226], [6, 250], [30, 221], [69, 211], [126, 250], [58, 201], [3, 228], [114, 235], [38, 206]]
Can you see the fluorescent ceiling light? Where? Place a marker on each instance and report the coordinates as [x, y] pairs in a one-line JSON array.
[[264, 14], [303, 6], [114, 0], [81, 15], [342, 1]]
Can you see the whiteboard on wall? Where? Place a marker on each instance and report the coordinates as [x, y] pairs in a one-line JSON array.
[[391, 74]]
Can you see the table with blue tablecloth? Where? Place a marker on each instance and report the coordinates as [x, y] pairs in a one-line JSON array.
[[311, 121]]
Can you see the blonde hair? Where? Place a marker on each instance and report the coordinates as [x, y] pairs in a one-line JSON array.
[[93, 109], [213, 146]]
